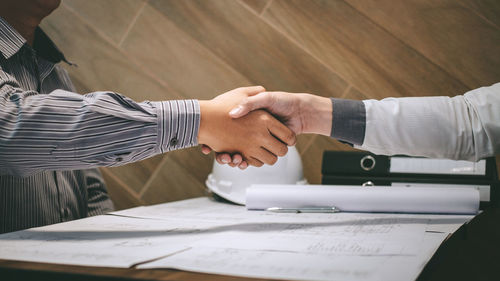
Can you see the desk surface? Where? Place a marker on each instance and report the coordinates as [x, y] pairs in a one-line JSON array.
[[44, 271], [472, 253]]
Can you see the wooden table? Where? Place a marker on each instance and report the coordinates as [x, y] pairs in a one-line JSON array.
[[472, 253]]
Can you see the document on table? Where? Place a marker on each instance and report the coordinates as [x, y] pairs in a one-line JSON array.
[[302, 266], [207, 236], [96, 241]]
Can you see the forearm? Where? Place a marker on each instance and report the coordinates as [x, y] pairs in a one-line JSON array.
[[65, 131], [463, 127]]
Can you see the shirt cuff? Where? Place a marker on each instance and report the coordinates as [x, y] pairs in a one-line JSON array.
[[179, 122], [348, 121]]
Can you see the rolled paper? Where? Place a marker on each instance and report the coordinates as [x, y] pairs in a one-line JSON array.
[[385, 199]]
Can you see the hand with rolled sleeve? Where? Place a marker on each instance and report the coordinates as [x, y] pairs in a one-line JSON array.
[[464, 127]]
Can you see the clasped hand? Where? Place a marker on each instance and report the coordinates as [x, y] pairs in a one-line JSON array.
[[258, 137]]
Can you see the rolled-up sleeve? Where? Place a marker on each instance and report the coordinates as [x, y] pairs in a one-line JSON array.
[[65, 131]]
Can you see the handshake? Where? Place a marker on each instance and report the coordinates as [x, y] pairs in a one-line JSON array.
[[248, 126]]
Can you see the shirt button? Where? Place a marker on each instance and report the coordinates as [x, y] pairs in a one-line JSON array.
[[174, 141]]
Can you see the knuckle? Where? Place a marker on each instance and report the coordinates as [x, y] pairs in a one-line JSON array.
[[291, 138], [266, 97], [257, 164], [283, 150], [244, 102], [273, 160], [264, 117]]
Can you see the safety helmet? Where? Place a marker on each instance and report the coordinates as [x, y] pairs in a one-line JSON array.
[[231, 183]]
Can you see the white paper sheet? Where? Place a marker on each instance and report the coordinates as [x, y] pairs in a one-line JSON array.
[[365, 199], [206, 236], [98, 241], [302, 266]]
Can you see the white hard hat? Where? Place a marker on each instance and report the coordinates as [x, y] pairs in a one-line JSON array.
[[231, 183]]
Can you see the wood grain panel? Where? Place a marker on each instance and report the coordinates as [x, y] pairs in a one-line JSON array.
[[251, 46], [312, 157], [176, 58], [112, 17], [173, 183], [447, 33], [135, 175], [488, 9], [354, 94], [121, 194], [303, 142], [197, 164], [257, 5], [364, 54], [101, 66]]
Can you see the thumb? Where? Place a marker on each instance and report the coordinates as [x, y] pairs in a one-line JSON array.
[[261, 100]]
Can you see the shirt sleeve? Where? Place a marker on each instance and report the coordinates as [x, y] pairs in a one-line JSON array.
[[348, 121], [66, 131], [465, 127]]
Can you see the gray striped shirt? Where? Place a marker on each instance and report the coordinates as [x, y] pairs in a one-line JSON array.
[[52, 139]]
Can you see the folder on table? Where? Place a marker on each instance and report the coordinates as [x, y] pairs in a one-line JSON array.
[[363, 168]]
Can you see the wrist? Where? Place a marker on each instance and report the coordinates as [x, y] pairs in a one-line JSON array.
[[316, 114], [205, 109]]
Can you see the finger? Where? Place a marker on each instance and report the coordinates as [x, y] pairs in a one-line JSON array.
[[223, 158], [243, 165], [282, 132], [266, 157], [261, 100], [275, 146], [237, 158], [253, 90], [205, 149], [254, 162]]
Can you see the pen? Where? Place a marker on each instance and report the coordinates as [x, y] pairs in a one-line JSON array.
[[304, 210]]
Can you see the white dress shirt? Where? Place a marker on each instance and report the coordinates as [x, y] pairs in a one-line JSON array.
[[464, 127]]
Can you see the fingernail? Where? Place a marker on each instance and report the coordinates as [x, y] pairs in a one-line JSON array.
[[225, 161], [235, 161], [236, 110]]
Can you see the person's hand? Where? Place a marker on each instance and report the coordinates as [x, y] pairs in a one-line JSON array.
[[258, 137], [302, 113]]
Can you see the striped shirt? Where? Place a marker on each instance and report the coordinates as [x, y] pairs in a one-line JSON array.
[[52, 139]]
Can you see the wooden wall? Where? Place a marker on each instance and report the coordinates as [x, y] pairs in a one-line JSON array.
[[359, 49]]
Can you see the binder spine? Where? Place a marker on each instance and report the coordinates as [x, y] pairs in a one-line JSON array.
[[358, 168]]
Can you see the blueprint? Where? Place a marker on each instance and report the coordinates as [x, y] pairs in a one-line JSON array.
[[212, 237]]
